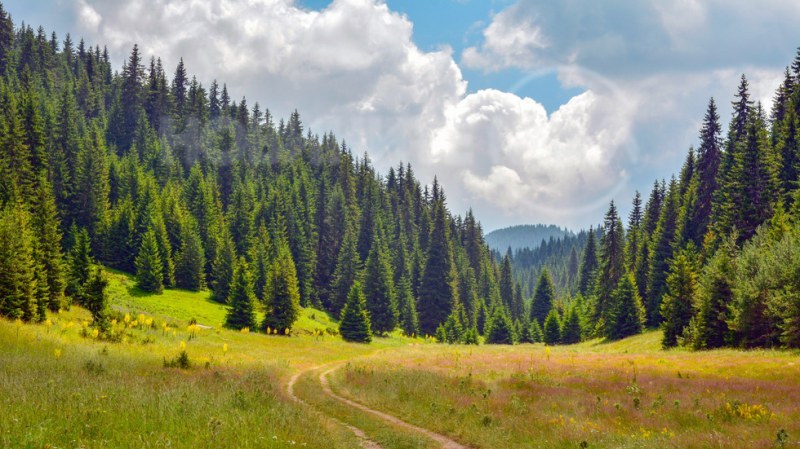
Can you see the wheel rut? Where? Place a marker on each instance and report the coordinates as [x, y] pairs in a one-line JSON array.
[[446, 442]]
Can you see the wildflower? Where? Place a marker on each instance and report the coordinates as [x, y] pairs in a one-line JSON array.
[[286, 331], [95, 333], [148, 322], [57, 353], [127, 318], [547, 352], [140, 318], [225, 347], [183, 345], [114, 322], [269, 330], [245, 330]]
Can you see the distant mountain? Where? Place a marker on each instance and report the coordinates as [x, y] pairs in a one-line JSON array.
[[523, 236]]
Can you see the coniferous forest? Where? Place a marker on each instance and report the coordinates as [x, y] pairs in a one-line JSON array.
[[149, 171]]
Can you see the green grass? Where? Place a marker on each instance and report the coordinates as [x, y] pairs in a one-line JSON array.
[[60, 387]]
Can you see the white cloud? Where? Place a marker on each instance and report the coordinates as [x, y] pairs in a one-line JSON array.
[[88, 17]]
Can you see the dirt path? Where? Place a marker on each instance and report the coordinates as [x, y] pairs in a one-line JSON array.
[[364, 441], [446, 443]]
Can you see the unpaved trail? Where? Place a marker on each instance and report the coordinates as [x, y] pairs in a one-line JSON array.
[[446, 443], [363, 439]]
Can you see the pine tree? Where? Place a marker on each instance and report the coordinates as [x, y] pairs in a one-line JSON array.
[[661, 254], [715, 293], [46, 225], [95, 298], [223, 268], [634, 231], [588, 265], [149, 265], [17, 265], [552, 328], [283, 291], [354, 325], [506, 282], [612, 265], [543, 298], [437, 290], [709, 158], [500, 330], [409, 321], [190, 259], [627, 314], [571, 327], [241, 298], [348, 267], [79, 263], [379, 290], [677, 304], [536, 332]]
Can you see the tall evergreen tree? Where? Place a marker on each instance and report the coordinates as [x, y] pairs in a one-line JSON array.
[[354, 325], [627, 315], [283, 297], [611, 267], [676, 307], [241, 298], [543, 298], [661, 254], [709, 158], [437, 290], [500, 330], [588, 265], [149, 265], [551, 332], [348, 268], [380, 290]]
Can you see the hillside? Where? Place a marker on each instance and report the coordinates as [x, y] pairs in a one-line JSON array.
[[523, 236]]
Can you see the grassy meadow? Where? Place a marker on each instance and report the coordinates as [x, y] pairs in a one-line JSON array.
[[62, 387]]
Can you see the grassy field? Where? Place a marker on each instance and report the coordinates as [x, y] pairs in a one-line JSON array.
[[627, 394], [62, 387]]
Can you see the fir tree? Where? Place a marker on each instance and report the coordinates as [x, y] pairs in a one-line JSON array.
[[223, 268], [17, 266], [571, 327], [536, 332], [149, 266], [715, 293], [612, 265], [627, 314], [500, 330], [379, 290], [241, 298], [677, 305], [348, 267], [95, 298], [543, 298], [283, 291], [354, 325], [190, 259], [437, 291], [552, 328], [661, 254], [79, 262], [588, 265], [409, 321]]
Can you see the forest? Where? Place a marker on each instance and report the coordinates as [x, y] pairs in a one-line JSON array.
[[179, 184]]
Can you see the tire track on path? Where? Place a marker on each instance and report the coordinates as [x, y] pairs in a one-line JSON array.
[[363, 439], [446, 442]]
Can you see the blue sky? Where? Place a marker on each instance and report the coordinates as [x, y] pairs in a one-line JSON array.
[[528, 111]]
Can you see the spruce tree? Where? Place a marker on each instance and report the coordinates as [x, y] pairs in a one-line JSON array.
[[96, 298], [283, 291], [379, 289], [536, 332], [500, 330], [715, 293], [506, 281], [348, 267], [627, 314], [241, 298], [543, 298], [551, 333], [223, 267], [79, 262], [709, 158], [612, 265], [588, 265], [409, 321], [17, 265], [354, 325], [149, 265], [571, 327], [661, 254], [437, 290], [678, 301], [46, 226], [190, 259]]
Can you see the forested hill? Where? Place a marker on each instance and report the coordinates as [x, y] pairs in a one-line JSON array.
[[712, 256], [173, 180], [523, 236]]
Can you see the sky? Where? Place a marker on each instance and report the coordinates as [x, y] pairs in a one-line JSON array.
[[527, 111]]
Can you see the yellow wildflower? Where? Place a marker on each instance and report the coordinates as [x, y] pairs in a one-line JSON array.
[[57, 353], [95, 333], [245, 330], [127, 318], [225, 347], [183, 345]]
